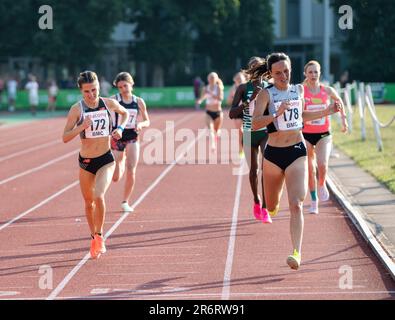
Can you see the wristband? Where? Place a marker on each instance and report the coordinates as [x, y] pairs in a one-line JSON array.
[[121, 128]]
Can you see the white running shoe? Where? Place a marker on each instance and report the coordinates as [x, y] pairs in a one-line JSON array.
[[126, 208], [323, 193], [313, 207]]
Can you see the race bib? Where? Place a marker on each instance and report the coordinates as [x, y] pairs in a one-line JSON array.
[[291, 119], [316, 107], [131, 124], [100, 126]]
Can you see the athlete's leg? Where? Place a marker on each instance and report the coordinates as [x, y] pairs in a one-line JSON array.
[[87, 185], [210, 126], [311, 162], [132, 158], [119, 165], [296, 183], [239, 126], [323, 151], [273, 180], [262, 147], [218, 124], [103, 181], [254, 174]]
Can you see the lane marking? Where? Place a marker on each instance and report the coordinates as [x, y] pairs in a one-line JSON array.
[[70, 154], [16, 141], [65, 188], [44, 165], [41, 146], [232, 237], [74, 271], [71, 185]]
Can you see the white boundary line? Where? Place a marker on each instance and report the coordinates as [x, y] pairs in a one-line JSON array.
[[46, 164], [41, 146], [232, 237], [39, 204], [360, 224], [16, 141], [67, 187], [71, 274], [69, 154]]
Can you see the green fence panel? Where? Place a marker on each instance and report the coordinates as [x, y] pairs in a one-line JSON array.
[[154, 97]]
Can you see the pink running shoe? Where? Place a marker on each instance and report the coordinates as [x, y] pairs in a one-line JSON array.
[[266, 216], [257, 211]]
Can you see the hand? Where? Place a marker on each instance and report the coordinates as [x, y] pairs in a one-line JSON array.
[[86, 123], [117, 134], [138, 127], [335, 107], [344, 126], [285, 105]]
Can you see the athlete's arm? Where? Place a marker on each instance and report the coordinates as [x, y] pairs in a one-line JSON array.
[[259, 120], [203, 96], [71, 130], [114, 105], [143, 111], [335, 96], [312, 115], [220, 96], [236, 108]]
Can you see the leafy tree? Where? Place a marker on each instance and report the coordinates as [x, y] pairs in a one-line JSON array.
[[80, 30], [370, 45]]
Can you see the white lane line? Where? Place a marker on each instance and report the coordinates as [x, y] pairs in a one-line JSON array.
[[72, 153], [39, 204], [72, 273], [245, 295], [41, 146], [232, 237], [16, 141], [44, 165], [67, 187]]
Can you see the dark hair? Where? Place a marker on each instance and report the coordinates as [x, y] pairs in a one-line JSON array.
[[123, 76], [260, 67], [257, 67], [86, 77], [276, 57]]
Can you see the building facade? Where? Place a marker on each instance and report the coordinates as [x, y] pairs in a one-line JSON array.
[[299, 31]]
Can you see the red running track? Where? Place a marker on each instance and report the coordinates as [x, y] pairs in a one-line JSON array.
[[192, 234]]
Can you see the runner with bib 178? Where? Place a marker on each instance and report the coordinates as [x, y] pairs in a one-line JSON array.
[[280, 108]]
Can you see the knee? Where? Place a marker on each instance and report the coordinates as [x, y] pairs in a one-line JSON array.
[[296, 206], [99, 198], [89, 204], [322, 167]]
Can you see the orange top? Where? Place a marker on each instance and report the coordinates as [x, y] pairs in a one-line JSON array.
[[316, 102]]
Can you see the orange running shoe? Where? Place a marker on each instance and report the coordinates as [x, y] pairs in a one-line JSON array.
[[100, 246]]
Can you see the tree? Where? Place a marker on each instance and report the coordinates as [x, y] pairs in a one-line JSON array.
[[230, 32], [370, 45], [226, 33], [80, 30]]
